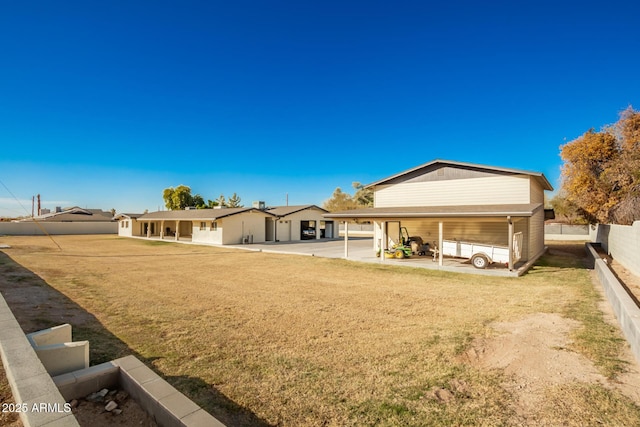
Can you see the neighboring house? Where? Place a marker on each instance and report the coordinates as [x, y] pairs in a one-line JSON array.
[[458, 201], [74, 214], [70, 221], [302, 222]]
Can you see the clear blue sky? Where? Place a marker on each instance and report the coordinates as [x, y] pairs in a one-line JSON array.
[[105, 104]]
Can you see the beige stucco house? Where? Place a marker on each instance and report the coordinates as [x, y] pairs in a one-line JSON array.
[[449, 200], [228, 226], [213, 226]]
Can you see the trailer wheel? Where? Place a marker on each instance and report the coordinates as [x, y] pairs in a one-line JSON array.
[[399, 253], [479, 261]]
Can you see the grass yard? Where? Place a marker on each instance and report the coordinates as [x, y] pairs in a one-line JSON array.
[[268, 339]]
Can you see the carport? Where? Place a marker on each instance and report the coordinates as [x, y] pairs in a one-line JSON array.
[[493, 224]]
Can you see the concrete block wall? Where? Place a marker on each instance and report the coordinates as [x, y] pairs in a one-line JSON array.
[[622, 242], [33, 389], [54, 228], [625, 309], [57, 352]]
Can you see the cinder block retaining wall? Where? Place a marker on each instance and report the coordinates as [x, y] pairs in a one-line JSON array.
[[625, 309], [41, 400], [622, 242], [30, 383]]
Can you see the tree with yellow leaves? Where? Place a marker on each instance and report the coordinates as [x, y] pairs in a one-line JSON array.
[[601, 172]]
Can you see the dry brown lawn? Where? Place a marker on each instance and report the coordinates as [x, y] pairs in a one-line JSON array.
[[268, 339]]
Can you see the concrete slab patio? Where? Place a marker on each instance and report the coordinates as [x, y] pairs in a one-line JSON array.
[[361, 249]]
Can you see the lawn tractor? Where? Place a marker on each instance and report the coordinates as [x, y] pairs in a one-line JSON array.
[[407, 246]]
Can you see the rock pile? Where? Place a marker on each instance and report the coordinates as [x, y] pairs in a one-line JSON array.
[[112, 399]]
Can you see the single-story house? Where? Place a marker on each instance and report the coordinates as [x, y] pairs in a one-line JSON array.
[[228, 226], [223, 226], [303, 222], [456, 201]]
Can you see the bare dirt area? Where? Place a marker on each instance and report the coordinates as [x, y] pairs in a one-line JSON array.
[[94, 410], [266, 339], [534, 356]]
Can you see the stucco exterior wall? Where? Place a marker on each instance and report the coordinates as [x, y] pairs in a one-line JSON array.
[[209, 234], [236, 227], [471, 191], [128, 227]]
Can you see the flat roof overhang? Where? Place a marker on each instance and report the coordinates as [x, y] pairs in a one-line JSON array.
[[465, 211]]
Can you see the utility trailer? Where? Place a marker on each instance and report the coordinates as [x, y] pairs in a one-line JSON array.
[[482, 254]]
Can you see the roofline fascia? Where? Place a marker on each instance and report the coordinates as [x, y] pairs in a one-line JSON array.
[[456, 163], [299, 210]]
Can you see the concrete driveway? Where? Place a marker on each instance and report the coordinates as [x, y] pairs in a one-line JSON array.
[[359, 247]]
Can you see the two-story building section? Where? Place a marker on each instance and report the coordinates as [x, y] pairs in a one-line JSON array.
[[454, 201]]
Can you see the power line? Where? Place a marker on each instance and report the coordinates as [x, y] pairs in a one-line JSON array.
[[34, 220]]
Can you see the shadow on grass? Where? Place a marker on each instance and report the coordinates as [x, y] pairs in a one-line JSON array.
[[36, 305], [560, 256]]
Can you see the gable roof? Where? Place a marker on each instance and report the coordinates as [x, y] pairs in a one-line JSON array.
[[436, 164], [281, 211], [198, 214]]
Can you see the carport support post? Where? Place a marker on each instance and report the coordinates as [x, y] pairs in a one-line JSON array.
[[440, 242], [177, 230], [384, 241], [346, 239], [510, 243], [148, 229], [162, 230]]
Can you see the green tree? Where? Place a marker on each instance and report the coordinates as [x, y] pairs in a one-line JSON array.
[[222, 202], [234, 201], [177, 198], [198, 202]]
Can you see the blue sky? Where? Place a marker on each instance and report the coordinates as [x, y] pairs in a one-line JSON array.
[[105, 104]]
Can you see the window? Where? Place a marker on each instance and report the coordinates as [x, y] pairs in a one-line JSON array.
[[126, 224], [203, 225], [214, 226]]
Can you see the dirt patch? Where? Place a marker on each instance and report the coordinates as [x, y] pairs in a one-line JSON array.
[[93, 411], [534, 356]]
